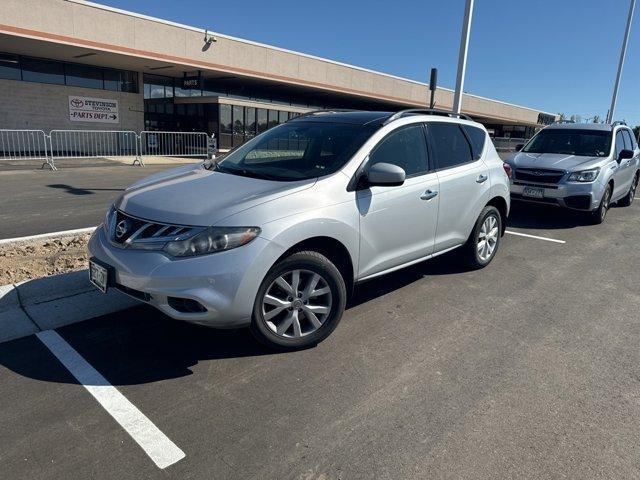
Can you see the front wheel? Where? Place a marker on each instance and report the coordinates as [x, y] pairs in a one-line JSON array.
[[600, 213], [484, 240], [628, 199], [299, 303]]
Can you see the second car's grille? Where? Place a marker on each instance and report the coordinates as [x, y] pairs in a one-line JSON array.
[[539, 175], [125, 231]]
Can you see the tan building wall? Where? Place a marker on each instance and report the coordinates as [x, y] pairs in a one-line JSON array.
[[41, 106]]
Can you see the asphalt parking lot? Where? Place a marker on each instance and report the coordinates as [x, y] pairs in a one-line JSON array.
[[41, 201], [526, 369]]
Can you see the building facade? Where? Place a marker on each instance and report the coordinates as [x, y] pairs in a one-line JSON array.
[[71, 64]]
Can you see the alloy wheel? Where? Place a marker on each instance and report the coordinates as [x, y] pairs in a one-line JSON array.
[[634, 187], [488, 238], [297, 303], [605, 203]]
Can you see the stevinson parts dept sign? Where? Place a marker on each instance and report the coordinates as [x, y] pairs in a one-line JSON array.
[[87, 109]]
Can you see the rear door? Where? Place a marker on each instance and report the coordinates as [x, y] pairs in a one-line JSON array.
[[398, 223], [464, 182]]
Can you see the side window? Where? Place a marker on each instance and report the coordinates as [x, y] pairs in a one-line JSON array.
[[619, 144], [405, 148], [477, 138], [450, 146], [628, 140]]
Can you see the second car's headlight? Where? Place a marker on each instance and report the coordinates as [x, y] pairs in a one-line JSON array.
[[584, 175], [213, 239]]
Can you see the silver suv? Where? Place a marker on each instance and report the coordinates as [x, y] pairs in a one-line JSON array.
[[276, 234], [579, 166]]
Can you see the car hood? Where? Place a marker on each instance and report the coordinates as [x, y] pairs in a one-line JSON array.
[[552, 161], [192, 195]]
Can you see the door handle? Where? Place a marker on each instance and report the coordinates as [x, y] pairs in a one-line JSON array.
[[482, 178], [429, 194]]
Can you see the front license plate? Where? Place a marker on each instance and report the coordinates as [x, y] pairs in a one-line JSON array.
[[99, 276], [533, 192]]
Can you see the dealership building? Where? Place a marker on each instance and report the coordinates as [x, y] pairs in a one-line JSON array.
[[71, 64]]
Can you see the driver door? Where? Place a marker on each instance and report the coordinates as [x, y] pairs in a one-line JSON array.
[[398, 223]]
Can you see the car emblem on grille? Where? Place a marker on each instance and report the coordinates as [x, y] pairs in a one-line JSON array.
[[121, 228], [538, 173]]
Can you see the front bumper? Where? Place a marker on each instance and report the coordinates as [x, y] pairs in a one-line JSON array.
[[576, 196], [224, 283]]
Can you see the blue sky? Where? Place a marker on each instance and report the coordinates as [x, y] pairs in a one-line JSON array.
[[555, 55]]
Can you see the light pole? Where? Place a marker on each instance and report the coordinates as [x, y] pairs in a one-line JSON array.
[[462, 58], [623, 52]]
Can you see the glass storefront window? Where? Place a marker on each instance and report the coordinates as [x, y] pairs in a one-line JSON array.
[[84, 76], [250, 123], [42, 71], [10, 67], [226, 126], [238, 125], [262, 120], [273, 118]]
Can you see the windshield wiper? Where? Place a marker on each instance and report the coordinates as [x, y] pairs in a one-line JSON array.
[[242, 172]]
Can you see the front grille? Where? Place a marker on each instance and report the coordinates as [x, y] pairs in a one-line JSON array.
[[539, 175], [127, 231]]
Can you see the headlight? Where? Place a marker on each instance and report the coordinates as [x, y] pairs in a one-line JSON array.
[[585, 175], [107, 218], [213, 239]]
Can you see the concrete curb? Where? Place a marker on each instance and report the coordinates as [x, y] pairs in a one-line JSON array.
[[51, 302], [44, 236]]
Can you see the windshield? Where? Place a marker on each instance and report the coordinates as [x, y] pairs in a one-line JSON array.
[[588, 143], [297, 151]]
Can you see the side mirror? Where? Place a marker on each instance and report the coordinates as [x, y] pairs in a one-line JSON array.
[[519, 147], [385, 175], [625, 154]]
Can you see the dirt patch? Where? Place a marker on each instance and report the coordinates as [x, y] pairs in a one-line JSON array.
[[40, 258]]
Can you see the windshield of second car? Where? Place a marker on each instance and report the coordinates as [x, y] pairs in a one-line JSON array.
[[589, 143], [296, 151]]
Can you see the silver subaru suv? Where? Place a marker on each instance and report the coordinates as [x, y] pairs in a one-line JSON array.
[[578, 166], [276, 234]]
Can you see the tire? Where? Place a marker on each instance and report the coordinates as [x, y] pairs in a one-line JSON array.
[[284, 317], [598, 215], [478, 256], [628, 199]]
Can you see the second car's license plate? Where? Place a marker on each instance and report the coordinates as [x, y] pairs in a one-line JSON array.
[[533, 192], [99, 276]]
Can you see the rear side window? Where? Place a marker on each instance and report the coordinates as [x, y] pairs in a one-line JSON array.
[[628, 138], [450, 146], [477, 138], [405, 148]]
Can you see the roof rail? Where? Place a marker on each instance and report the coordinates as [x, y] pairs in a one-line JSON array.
[[425, 111], [324, 110], [619, 122], [564, 121]]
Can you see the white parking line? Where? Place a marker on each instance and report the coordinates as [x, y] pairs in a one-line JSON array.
[[546, 239], [155, 443]]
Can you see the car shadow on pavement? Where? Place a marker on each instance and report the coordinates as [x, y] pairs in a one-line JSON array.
[[141, 345], [543, 217], [82, 191]]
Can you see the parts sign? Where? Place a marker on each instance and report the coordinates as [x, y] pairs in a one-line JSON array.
[[86, 109]]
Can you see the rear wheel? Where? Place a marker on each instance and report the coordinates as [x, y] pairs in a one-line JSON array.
[[484, 240], [628, 199], [299, 303], [600, 213]]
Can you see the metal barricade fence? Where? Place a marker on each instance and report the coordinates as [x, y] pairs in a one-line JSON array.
[[507, 144], [24, 145], [174, 144], [75, 144]]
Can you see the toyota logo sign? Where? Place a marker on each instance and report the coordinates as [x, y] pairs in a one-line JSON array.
[[77, 103]]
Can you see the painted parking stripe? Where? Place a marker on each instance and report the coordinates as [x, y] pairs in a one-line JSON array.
[[546, 239], [160, 449]]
